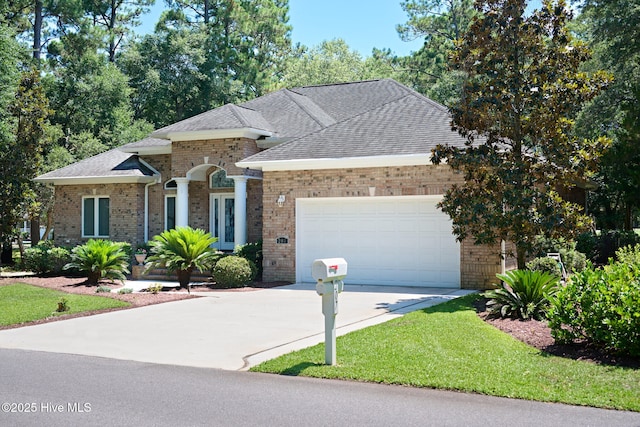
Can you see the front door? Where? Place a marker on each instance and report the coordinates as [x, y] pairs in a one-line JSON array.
[[221, 223]]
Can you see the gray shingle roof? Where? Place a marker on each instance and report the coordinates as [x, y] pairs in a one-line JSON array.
[[410, 124], [146, 143], [113, 164], [360, 119], [228, 116]]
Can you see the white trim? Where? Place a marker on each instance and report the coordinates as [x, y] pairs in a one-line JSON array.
[[339, 163], [211, 134], [148, 151], [96, 217], [75, 180]]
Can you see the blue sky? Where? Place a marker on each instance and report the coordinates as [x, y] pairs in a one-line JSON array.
[[363, 24]]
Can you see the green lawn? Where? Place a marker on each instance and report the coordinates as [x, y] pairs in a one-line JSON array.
[[20, 303], [449, 347]]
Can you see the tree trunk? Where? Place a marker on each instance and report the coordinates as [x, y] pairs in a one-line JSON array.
[[37, 30], [184, 277], [628, 224], [6, 256], [35, 230], [93, 277], [47, 230], [521, 257]]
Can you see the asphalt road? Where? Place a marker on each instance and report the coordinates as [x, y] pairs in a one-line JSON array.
[[38, 388]]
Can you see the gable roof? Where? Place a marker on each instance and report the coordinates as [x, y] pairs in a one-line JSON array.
[[406, 128], [358, 124], [113, 166]]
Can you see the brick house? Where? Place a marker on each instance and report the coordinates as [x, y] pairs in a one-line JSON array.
[[339, 170]]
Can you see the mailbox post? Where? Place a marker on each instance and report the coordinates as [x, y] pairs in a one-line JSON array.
[[328, 273]]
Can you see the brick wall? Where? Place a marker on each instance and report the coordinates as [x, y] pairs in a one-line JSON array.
[[126, 205], [479, 264], [223, 153]]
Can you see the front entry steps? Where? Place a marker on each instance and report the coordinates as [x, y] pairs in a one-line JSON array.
[[161, 274]]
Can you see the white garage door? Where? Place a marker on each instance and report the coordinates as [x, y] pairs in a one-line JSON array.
[[403, 241]]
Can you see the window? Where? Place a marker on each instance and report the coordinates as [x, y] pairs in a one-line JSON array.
[[95, 217], [219, 179], [169, 212]]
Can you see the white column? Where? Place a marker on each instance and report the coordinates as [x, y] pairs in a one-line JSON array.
[[182, 202], [240, 193]]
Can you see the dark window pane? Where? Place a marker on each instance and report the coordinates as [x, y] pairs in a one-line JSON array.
[[103, 216], [171, 213], [89, 217]]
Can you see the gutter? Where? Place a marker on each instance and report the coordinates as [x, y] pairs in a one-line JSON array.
[[146, 206]]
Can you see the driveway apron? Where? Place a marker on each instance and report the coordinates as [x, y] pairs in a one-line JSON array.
[[225, 330]]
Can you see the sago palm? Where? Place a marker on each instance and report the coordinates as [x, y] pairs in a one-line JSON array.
[[523, 294], [182, 250], [100, 258]]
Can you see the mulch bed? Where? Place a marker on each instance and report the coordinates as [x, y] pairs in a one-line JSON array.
[[538, 334]]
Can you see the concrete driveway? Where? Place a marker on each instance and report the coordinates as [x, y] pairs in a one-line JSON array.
[[226, 330]]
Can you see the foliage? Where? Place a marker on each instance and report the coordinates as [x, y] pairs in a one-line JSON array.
[[99, 259], [182, 250], [332, 61], [63, 305], [23, 111], [520, 97], [253, 253], [125, 291], [545, 264], [21, 303], [601, 306], [611, 28], [440, 22], [103, 289], [155, 288], [449, 347], [572, 259], [599, 248], [233, 272], [523, 294], [46, 258], [217, 53], [91, 102]]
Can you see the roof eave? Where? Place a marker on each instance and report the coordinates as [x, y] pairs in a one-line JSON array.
[[147, 151], [93, 180], [250, 133], [339, 163]]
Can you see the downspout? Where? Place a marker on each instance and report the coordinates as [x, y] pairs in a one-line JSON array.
[[146, 207]]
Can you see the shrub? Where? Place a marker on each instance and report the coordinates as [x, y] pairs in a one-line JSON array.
[[573, 260], [601, 306], [182, 250], [155, 288], [523, 294], [45, 258], [599, 248], [125, 291], [545, 264], [233, 272], [101, 258], [253, 253], [103, 289], [63, 305]]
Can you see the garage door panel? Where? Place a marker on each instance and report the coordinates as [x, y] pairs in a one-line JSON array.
[[386, 241]]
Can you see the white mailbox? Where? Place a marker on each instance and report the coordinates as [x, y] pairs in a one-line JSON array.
[[329, 269], [329, 272]]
